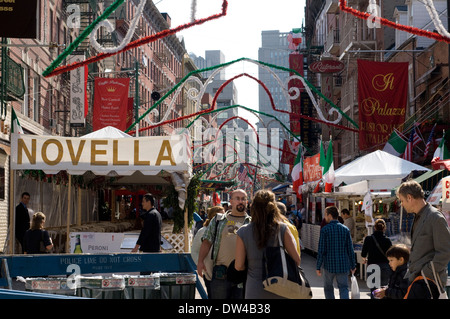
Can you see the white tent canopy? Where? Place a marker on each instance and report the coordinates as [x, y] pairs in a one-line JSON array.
[[381, 169], [107, 132]]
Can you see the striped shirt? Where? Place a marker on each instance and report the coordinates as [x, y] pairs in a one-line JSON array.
[[335, 251]]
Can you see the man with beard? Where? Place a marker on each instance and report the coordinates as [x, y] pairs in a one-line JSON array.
[[219, 244]]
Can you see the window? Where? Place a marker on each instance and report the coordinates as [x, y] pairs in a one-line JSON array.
[[36, 99]]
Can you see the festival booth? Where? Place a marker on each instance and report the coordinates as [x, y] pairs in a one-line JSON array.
[[117, 158], [107, 153], [375, 174]]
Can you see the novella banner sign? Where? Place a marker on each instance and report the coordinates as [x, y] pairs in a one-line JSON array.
[[111, 103], [382, 99]]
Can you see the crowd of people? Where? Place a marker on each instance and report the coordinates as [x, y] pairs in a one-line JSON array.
[[232, 242]]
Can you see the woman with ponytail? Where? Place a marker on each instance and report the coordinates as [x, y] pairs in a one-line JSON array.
[[267, 222]]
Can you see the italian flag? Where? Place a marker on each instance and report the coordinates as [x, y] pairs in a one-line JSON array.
[[297, 36], [15, 125], [327, 166], [395, 145], [442, 151], [297, 173]]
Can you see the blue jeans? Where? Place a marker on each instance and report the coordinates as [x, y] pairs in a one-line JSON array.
[[342, 282]]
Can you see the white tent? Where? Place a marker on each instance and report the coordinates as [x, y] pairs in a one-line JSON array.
[[107, 132], [110, 152], [374, 172]]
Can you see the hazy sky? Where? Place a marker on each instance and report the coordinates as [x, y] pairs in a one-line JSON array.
[[237, 35]]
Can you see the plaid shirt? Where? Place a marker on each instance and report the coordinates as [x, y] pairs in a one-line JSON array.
[[335, 248], [210, 235]]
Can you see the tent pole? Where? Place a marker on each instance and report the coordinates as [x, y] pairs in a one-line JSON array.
[[79, 206], [186, 230], [68, 214], [113, 205], [12, 214]]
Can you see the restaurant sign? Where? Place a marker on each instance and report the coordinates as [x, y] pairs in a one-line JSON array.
[[326, 66]]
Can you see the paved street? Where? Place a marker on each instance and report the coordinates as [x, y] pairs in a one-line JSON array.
[[308, 263]]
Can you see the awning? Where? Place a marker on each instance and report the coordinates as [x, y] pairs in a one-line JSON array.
[[103, 156], [428, 181], [215, 185], [281, 187]]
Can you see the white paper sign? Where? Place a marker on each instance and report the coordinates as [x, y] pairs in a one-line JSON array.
[[446, 194]]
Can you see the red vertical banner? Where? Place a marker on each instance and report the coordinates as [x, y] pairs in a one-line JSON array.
[[290, 150], [111, 103], [296, 64], [382, 100]]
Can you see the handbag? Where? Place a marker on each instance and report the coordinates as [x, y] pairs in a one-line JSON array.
[[443, 293], [281, 276], [237, 276]]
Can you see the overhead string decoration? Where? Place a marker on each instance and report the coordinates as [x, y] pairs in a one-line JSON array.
[[53, 69], [434, 15], [193, 10], [410, 29]]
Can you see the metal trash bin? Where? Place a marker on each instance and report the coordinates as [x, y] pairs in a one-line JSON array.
[[99, 287], [142, 287], [49, 285], [177, 285]]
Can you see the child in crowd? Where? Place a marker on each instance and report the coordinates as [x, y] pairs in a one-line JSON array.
[[398, 256]]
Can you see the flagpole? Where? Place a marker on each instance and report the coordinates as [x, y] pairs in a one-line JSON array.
[[254, 181]]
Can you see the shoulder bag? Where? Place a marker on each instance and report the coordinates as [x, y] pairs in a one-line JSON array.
[[440, 286], [281, 276], [378, 246]]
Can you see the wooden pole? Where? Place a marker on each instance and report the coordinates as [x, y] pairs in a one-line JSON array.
[[68, 214], [113, 205], [12, 212], [79, 207], [186, 230]]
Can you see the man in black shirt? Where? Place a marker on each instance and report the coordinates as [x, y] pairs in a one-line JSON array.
[[22, 218], [149, 240]]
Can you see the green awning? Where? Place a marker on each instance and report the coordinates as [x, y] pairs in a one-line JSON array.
[[428, 180]]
